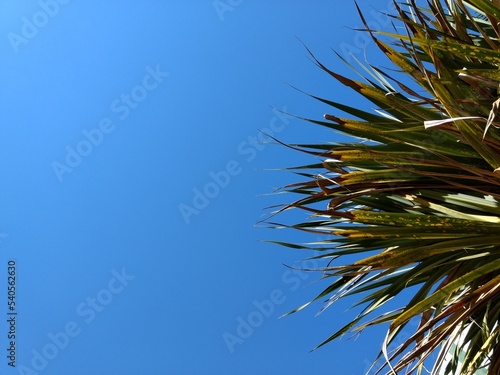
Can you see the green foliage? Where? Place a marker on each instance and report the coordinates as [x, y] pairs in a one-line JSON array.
[[417, 200]]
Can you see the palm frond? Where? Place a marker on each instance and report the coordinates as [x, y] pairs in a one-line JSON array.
[[417, 200]]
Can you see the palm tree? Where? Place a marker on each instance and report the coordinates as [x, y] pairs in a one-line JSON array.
[[417, 201]]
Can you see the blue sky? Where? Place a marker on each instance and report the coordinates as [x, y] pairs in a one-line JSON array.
[[134, 173]]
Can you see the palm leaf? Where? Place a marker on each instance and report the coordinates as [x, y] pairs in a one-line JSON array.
[[416, 203]]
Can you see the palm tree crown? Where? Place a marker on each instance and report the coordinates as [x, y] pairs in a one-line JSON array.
[[418, 201]]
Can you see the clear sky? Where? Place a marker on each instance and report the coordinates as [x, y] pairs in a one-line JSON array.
[[133, 174]]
